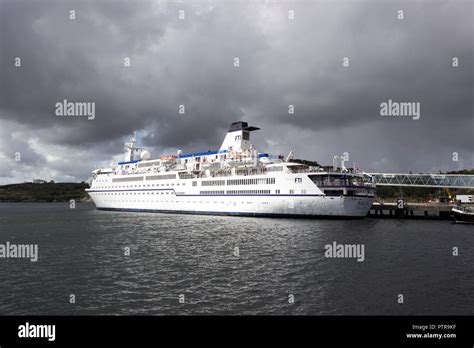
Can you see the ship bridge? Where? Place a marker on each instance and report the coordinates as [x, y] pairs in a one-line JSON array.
[[460, 181]]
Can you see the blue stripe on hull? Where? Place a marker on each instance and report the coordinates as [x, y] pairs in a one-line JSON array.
[[269, 215]]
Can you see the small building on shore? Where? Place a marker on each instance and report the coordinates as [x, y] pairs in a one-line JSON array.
[[39, 181], [465, 198]]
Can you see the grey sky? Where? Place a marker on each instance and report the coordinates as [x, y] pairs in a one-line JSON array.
[[190, 62]]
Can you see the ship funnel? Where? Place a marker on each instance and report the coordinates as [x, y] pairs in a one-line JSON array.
[[238, 137]]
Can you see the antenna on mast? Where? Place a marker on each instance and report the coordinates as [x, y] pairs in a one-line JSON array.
[[130, 148]]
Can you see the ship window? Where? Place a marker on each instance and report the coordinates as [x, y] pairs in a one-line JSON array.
[[298, 180], [333, 192], [246, 135], [292, 192], [277, 192], [238, 137], [303, 192]]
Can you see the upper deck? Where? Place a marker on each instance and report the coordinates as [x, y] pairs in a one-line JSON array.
[[236, 158]]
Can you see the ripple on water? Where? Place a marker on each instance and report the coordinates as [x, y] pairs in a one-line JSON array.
[[82, 252]]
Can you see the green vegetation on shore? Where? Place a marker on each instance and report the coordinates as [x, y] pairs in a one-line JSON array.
[[47, 192], [412, 194], [463, 172]]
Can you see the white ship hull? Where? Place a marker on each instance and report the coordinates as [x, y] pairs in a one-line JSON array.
[[337, 207], [236, 180], [179, 196]]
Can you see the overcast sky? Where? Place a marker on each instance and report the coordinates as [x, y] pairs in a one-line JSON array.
[[190, 62]]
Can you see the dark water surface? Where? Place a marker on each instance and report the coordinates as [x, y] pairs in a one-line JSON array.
[[81, 252]]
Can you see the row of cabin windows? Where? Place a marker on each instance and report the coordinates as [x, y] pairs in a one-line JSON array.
[[292, 192], [211, 192], [133, 193], [248, 192], [254, 181], [235, 192], [148, 185], [213, 183], [229, 192], [193, 202], [160, 177]]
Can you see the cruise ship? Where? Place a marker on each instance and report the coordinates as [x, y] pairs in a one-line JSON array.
[[235, 180]]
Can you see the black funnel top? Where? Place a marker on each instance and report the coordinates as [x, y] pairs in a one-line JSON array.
[[241, 125]]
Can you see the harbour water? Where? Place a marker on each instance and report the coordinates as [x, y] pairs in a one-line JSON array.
[[229, 265]]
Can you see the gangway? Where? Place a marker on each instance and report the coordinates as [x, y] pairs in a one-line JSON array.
[[422, 180]]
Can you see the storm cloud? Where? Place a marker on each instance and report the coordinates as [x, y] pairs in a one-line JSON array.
[[289, 53]]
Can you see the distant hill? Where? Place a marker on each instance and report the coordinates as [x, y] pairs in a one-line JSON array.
[[47, 192], [464, 171]]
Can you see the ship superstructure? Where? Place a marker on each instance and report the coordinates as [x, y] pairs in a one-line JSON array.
[[234, 180]]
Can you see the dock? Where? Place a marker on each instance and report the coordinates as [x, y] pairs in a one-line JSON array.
[[402, 210]]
